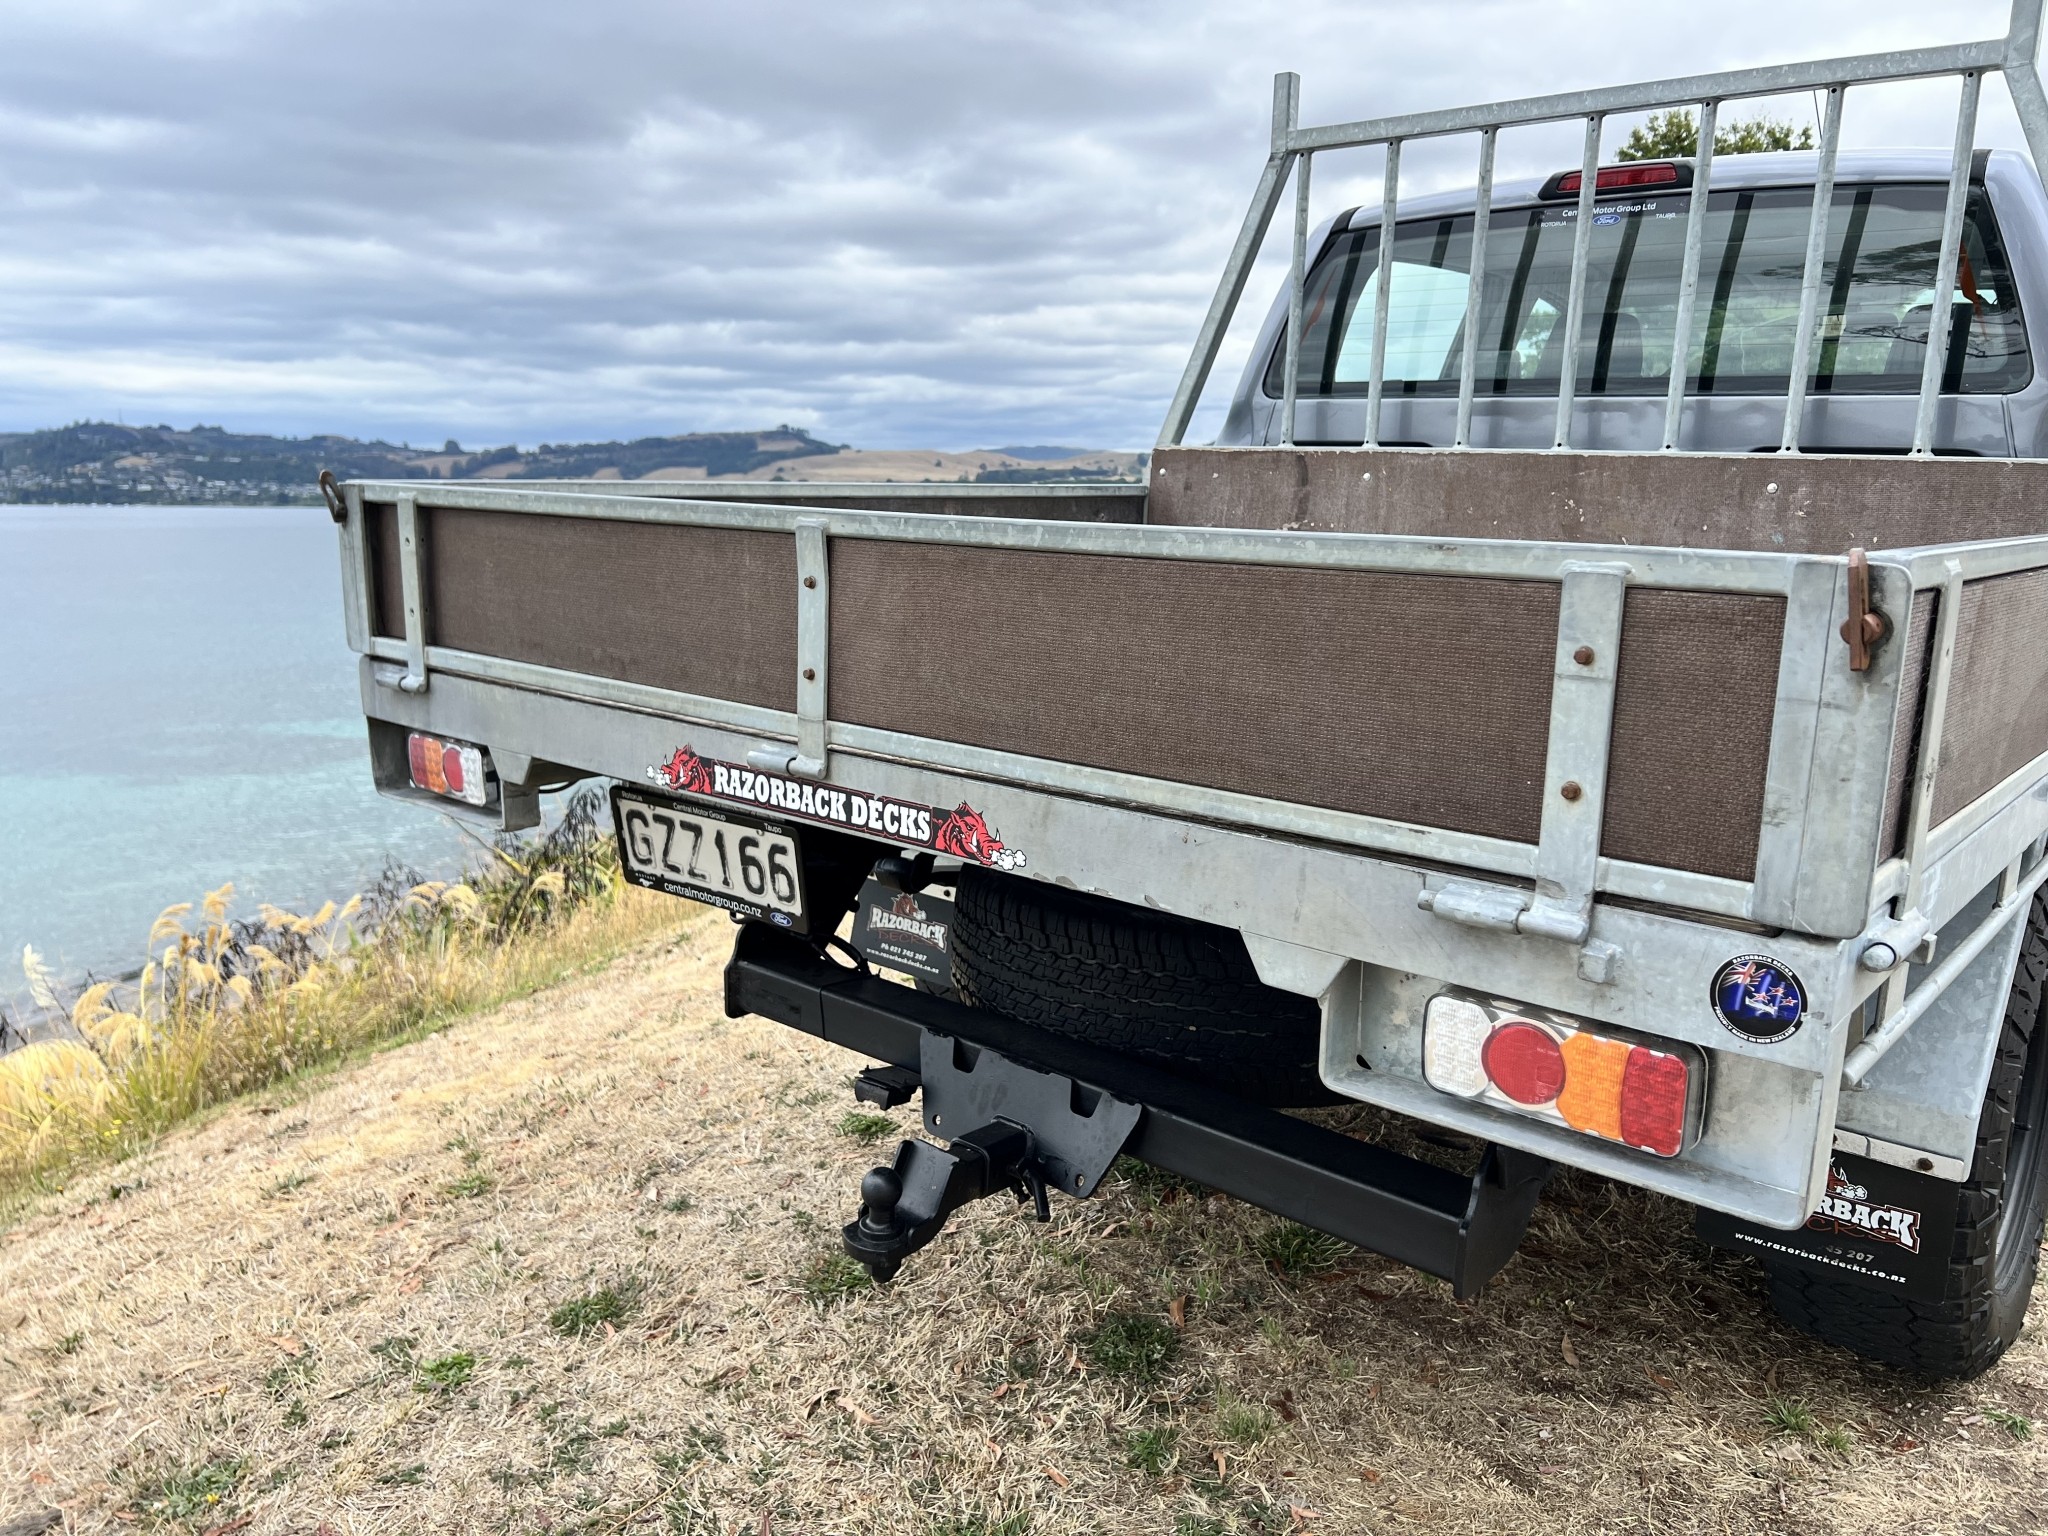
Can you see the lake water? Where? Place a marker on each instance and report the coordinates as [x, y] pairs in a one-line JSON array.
[[178, 709]]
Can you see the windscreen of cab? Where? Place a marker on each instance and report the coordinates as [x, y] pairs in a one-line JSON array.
[[1877, 292]]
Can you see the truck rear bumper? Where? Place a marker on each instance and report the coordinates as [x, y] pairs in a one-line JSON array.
[[1458, 1227]]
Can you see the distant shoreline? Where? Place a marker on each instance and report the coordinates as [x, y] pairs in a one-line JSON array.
[[112, 464]]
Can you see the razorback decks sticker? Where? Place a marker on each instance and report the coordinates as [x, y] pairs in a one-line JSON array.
[[960, 833], [1876, 1223], [906, 931]]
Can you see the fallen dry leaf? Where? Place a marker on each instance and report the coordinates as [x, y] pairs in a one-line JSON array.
[[1571, 1356], [1177, 1311], [288, 1344], [1903, 1444], [1370, 1475], [997, 1395], [1284, 1406], [1659, 1380], [1771, 1375], [231, 1525], [1222, 1465], [860, 1415], [1055, 1474], [1300, 1515]]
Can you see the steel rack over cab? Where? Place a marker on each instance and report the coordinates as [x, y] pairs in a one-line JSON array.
[[1593, 699]]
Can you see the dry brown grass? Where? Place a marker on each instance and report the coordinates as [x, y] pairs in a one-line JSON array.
[[569, 1267]]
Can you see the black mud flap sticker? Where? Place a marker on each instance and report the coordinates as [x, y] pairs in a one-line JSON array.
[[1878, 1225], [904, 932]]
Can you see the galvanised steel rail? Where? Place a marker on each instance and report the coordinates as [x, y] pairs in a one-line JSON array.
[[1294, 147]]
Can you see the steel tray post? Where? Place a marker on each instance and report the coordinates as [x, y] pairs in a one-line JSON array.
[[813, 644], [414, 590], [1575, 775]]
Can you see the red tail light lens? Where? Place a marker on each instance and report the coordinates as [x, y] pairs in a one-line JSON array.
[[451, 768], [1523, 1062], [1653, 1095], [1587, 1078]]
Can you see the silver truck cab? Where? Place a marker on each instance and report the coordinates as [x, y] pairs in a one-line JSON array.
[[1887, 211]]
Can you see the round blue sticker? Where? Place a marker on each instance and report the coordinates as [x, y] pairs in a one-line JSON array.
[[1759, 998]]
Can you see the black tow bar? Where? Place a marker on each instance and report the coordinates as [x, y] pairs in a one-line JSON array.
[[1026, 1110]]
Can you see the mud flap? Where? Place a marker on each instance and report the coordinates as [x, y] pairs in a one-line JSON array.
[[1878, 1225]]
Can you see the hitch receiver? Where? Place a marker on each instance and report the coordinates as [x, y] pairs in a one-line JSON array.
[[1036, 1102], [905, 1206], [1031, 1129]]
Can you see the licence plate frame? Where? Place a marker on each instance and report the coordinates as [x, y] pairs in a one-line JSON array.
[[647, 826]]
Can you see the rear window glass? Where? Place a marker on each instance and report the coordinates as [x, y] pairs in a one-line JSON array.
[[1877, 292]]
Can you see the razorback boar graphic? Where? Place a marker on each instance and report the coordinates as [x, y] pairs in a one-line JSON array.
[[685, 771], [962, 834]]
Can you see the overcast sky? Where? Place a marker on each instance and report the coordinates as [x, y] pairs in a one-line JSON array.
[[894, 224]]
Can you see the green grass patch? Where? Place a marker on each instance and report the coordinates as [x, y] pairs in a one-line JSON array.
[[1151, 1451], [1242, 1422], [1155, 1184], [2017, 1425], [473, 1185], [833, 1277], [1133, 1345], [1016, 1523], [192, 1492], [1292, 1250], [1787, 1416], [588, 1313], [867, 1127], [446, 1374]]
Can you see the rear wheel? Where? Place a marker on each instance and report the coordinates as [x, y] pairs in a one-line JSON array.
[[1998, 1218], [1181, 994]]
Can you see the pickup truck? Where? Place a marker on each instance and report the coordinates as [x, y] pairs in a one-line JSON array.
[[1592, 700]]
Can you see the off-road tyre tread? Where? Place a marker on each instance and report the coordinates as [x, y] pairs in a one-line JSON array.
[[1963, 1334], [1181, 994]]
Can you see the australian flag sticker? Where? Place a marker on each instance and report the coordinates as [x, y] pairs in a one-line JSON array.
[[1759, 999]]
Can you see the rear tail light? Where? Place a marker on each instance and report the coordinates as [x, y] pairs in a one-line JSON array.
[[450, 768], [1590, 1079], [1620, 178]]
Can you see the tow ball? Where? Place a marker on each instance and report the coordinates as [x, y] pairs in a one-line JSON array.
[[904, 1206], [1034, 1132]]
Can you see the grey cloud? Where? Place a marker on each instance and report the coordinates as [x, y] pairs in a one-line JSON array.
[[894, 223]]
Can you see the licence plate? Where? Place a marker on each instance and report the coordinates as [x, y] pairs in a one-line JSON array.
[[739, 863]]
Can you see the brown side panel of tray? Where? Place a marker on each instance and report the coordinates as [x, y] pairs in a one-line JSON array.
[[1692, 729], [387, 586], [1420, 698], [707, 611], [1816, 504], [1997, 717], [1907, 722]]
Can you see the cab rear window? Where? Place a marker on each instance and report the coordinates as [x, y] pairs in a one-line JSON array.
[[1877, 294]]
